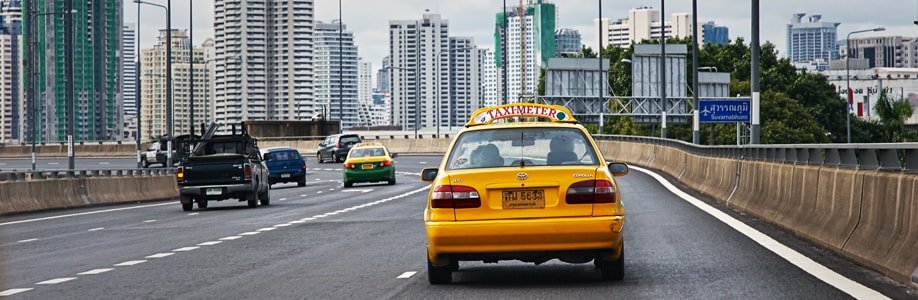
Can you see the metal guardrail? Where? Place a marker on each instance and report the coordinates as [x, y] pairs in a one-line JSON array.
[[77, 174], [362, 136], [892, 157]]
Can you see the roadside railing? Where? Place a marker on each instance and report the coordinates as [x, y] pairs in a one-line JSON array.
[[892, 157]]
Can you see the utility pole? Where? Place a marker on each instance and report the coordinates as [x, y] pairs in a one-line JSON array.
[[756, 134], [696, 126], [71, 108]]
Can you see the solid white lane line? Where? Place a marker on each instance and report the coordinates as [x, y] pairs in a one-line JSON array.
[[83, 214], [193, 214], [149, 221], [211, 243], [183, 249], [130, 263], [28, 240], [56, 280], [307, 219], [95, 271], [160, 255], [96, 229], [406, 275], [250, 233], [230, 238], [806, 264], [11, 292]]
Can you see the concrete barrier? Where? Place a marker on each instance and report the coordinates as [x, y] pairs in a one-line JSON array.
[[837, 210], [884, 237], [37, 195]]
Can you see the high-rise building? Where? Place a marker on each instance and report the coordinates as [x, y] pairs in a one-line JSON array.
[[643, 23], [383, 83], [488, 83], [336, 73], [881, 52], [567, 41], [364, 81], [713, 34], [464, 94], [129, 84], [11, 113], [264, 60], [413, 49], [153, 87], [530, 43], [97, 70], [811, 40]]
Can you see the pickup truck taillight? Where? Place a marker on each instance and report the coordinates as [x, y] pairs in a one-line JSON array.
[[247, 171], [339, 145], [304, 167], [592, 191], [454, 196], [180, 174]]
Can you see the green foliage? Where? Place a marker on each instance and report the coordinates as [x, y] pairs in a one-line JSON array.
[[893, 114]]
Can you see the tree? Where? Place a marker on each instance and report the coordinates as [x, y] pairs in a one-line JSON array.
[[893, 114]]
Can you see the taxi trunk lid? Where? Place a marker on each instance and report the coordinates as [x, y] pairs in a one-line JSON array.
[[523, 192]]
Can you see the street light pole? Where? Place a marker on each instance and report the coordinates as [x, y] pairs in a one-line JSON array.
[[33, 114], [599, 51], [169, 110], [696, 128], [755, 137], [137, 89], [71, 107], [191, 80], [849, 97], [340, 69], [663, 73]]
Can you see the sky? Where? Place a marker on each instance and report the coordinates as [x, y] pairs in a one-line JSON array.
[[369, 19]]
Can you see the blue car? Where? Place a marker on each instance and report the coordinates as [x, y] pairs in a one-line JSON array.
[[285, 165]]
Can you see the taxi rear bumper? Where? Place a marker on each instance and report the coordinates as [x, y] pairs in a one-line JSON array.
[[525, 239]]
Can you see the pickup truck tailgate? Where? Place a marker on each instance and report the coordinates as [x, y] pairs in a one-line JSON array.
[[214, 169]]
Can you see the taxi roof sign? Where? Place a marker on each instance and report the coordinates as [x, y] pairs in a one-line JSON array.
[[368, 144], [555, 113]]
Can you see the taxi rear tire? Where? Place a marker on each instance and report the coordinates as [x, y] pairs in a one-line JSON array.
[[439, 275], [348, 184], [612, 270]]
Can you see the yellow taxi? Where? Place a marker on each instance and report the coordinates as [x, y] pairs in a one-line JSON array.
[[369, 162], [524, 190]]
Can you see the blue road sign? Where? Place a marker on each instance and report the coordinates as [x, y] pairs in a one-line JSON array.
[[733, 110]]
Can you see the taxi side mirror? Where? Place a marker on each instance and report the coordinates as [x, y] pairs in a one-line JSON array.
[[429, 174], [618, 169]]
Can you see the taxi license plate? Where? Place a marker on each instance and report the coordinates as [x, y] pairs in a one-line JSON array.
[[285, 175], [366, 166], [213, 191], [523, 199]]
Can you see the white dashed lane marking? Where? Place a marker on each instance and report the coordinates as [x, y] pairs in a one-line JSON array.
[[193, 214], [95, 271], [104, 163], [96, 229], [56, 280], [282, 225], [149, 221], [28, 240], [329, 170], [11, 292], [183, 249], [282, 199], [211, 243], [250, 233], [230, 238], [160, 255], [422, 162], [406, 275], [266, 229], [131, 263]]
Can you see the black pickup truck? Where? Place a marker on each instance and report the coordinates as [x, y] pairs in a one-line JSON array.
[[224, 167]]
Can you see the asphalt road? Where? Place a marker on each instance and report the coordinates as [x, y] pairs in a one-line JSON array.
[[322, 241]]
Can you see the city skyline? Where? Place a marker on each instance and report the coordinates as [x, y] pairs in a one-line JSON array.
[[468, 18]]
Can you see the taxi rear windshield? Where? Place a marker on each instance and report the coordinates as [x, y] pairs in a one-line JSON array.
[[365, 152], [516, 147]]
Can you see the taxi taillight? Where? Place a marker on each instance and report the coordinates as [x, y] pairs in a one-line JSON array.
[[386, 163], [349, 166], [247, 171], [454, 196], [180, 174], [592, 191]]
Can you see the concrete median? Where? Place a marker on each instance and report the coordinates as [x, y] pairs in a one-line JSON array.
[[38, 195]]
